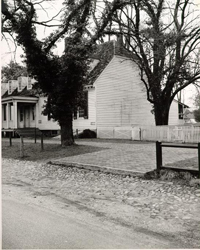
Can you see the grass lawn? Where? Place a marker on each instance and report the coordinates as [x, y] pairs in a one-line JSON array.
[[32, 151]]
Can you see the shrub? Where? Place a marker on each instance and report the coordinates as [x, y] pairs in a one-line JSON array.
[[87, 133]]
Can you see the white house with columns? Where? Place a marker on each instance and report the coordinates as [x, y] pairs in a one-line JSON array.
[[22, 107]]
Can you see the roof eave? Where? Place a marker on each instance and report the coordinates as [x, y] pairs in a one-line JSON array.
[[19, 98]]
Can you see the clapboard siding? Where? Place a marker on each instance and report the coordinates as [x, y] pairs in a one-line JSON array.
[[80, 123], [173, 114], [42, 121], [120, 96]]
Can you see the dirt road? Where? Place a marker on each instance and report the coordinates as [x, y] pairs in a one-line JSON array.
[[134, 213]]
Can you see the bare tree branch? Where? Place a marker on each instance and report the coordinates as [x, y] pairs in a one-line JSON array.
[[167, 52]]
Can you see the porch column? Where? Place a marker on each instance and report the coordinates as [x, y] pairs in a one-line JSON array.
[[15, 114], [7, 114], [36, 114], [2, 112]]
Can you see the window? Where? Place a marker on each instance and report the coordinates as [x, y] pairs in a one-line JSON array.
[[10, 110], [54, 132], [83, 112], [33, 113], [21, 116], [9, 87], [75, 114], [180, 111], [29, 85], [4, 112], [20, 83]]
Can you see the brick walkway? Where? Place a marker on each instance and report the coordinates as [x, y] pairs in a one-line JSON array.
[[133, 156]]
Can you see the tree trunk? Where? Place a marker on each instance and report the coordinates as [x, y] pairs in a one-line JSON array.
[[161, 112], [66, 126]]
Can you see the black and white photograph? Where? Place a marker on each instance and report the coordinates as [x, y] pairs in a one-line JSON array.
[[100, 124]]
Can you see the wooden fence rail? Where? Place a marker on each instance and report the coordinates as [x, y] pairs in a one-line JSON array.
[[159, 164]]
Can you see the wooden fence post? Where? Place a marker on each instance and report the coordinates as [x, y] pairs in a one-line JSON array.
[[10, 138], [192, 134], [158, 156], [21, 147], [35, 134], [42, 142], [199, 159]]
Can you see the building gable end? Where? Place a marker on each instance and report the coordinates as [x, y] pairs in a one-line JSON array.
[[106, 68]]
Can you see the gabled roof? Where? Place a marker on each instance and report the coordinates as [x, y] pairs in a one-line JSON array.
[[104, 53], [4, 87], [25, 92]]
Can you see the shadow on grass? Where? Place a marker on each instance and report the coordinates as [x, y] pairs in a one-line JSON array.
[[32, 151], [191, 163]]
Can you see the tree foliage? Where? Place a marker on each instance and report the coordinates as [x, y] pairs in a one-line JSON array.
[[197, 115], [197, 98], [197, 105], [164, 37], [61, 79], [12, 71]]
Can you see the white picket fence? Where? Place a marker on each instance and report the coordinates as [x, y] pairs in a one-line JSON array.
[[190, 134]]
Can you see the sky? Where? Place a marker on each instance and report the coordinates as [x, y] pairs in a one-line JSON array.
[[10, 52]]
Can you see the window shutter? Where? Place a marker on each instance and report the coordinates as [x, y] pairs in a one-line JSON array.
[[86, 106], [180, 111]]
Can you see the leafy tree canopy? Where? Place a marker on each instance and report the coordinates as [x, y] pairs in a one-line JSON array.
[[197, 98], [197, 105], [12, 71], [197, 115]]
